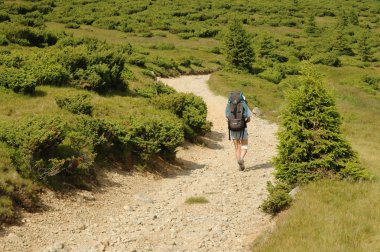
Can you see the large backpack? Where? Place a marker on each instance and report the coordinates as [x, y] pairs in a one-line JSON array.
[[236, 120]]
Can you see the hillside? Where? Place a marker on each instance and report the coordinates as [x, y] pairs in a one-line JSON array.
[[77, 81]]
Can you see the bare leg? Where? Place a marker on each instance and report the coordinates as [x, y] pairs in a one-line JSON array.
[[237, 149], [243, 151]]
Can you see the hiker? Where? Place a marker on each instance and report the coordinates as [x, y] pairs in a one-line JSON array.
[[238, 115]]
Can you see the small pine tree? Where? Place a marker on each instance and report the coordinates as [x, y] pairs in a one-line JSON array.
[[311, 145], [267, 44], [365, 51], [311, 26], [341, 45], [353, 17], [342, 20], [238, 47]]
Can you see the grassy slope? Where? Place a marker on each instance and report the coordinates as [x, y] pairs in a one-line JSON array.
[[328, 215]]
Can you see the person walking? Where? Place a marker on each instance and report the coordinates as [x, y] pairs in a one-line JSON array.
[[238, 115]]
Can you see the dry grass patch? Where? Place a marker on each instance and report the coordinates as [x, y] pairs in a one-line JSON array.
[[196, 200]]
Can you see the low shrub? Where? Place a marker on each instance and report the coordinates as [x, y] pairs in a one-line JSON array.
[[94, 66], [72, 25], [49, 73], [3, 40], [27, 36], [371, 81], [163, 46], [278, 199], [18, 80], [329, 59], [155, 89], [4, 17], [6, 209], [154, 134], [14, 190], [190, 108], [40, 149], [77, 104], [271, 75]]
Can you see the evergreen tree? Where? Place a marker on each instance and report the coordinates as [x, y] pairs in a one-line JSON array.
[[342, 20], [354, 18], [311, 144], [267, 45], [341, 45], [365, 51], [238, 47], [311, 26]]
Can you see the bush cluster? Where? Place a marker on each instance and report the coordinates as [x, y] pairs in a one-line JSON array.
[[19, 80], [190, 108], [154, 89], [77, 104], [328, 59]]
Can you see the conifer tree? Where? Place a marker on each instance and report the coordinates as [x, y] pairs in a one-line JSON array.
[[311, 27], [365, 51], [267, 45], [238, 47], [340, 44], [311, 145]]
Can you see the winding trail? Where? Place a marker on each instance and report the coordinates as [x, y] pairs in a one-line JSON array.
[[137, 212]]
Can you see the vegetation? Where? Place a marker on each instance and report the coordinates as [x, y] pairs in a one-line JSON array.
[[111, 52], [238, 46]]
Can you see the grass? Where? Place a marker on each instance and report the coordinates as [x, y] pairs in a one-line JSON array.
[[196, 200], [328, 216]]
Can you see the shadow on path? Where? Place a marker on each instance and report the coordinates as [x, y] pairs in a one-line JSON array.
[[267, 165], [211, 140]]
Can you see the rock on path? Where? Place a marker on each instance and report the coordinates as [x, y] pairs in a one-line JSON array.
[[135, 212]]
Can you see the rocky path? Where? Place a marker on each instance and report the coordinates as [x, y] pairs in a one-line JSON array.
[[136, 212]]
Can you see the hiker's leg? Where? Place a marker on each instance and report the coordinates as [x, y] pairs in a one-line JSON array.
[[243, 148], [237, 149]]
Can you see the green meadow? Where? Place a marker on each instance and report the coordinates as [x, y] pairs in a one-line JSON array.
[[77, 78]]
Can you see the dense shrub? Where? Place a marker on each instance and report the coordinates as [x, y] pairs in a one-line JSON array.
[[154, 134], [76, 104], [27, 36], [18, 80], [49, 73], [94, 66], [329, 59], [14, 190], [3, 40], [190, 108], [41, 148], [4, 17], [372, 81]]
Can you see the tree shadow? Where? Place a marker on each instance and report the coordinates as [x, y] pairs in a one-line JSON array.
[[211, 140], [174, 168], [38, 93], [267, 165]]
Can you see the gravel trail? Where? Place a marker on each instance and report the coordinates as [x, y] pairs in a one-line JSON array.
[[138, 212]]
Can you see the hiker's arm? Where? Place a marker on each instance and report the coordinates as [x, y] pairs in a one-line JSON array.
[[227, 112]]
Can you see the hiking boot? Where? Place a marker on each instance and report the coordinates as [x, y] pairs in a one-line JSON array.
[[241, 164]]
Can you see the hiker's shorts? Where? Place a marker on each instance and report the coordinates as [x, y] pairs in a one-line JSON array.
[[239, 135]]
